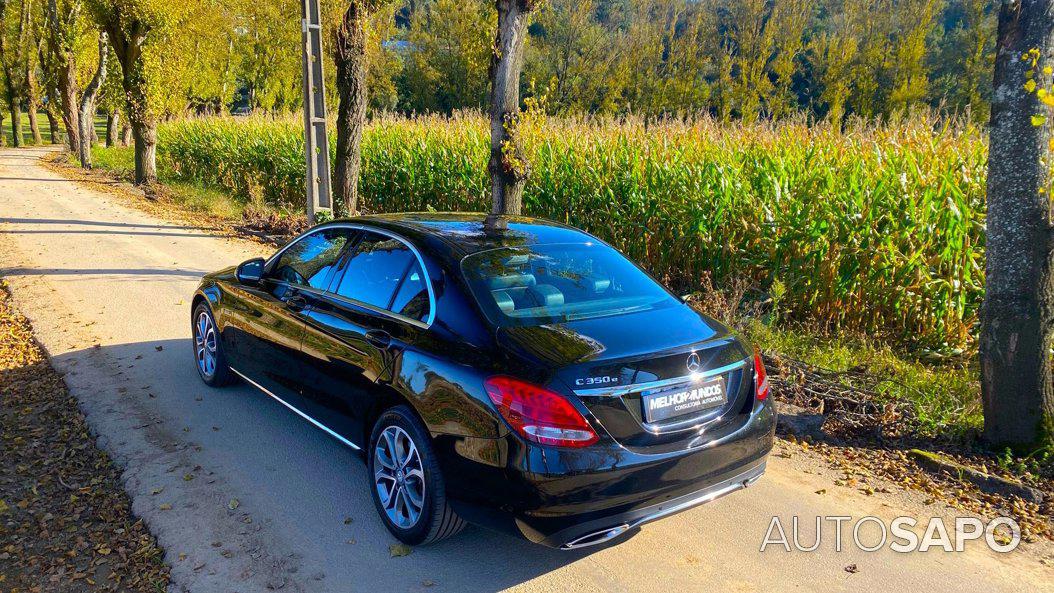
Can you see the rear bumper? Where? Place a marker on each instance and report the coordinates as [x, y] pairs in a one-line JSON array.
[[603, 530], [557, 497]]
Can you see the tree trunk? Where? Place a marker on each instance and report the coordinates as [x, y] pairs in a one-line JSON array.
[[126, 134], [508, 164], [87, 106], [126, 38], [17, 139], [11, 55], [34, 127], [145, 134], [32, 102], [53, 126], [112, 124], [62, 35], [67, 83], [1017, 385], [350, 57]]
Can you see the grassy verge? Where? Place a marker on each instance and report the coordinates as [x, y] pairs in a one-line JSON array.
[[45, 129], [944, 393], [65, 522], [119, 162]]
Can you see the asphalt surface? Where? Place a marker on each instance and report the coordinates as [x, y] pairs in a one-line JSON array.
[[246, 496]]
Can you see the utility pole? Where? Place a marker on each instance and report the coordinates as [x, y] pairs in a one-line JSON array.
[[316, 143]]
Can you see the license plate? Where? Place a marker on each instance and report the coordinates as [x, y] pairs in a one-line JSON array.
[[685, 399]]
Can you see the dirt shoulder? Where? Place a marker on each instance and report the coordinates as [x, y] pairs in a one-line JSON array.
[[65, 520]]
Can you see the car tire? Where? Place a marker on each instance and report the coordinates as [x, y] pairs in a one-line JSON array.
[[209, 357], [410, 477]]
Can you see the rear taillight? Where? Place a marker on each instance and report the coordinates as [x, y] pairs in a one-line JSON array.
[[761, 378], [539, 415]]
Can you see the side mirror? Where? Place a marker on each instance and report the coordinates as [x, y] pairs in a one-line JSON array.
[[250, 272]]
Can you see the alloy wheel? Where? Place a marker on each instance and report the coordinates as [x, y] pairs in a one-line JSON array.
[[399, 477], [205, 344]]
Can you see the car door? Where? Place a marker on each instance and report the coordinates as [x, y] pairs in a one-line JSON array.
[[269, 317], [357, 331]]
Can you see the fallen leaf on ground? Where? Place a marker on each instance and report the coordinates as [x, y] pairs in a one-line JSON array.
[[397, 550]]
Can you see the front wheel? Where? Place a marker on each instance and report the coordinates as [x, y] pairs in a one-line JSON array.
[[208, 349], [408, 487]]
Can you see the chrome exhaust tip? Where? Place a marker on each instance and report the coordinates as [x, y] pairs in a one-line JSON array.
[[597, 537]]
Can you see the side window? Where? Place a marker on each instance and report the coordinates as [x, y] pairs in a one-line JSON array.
[[374, 269], [412, 299], [309, 261]]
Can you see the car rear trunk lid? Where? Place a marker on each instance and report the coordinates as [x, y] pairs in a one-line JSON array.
[[644, 379]]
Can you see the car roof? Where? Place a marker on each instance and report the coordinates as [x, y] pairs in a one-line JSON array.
[[457, 234]]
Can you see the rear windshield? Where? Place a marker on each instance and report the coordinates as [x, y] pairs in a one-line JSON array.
[[538, 284]]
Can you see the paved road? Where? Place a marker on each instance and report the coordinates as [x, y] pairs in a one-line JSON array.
[[107, 288]]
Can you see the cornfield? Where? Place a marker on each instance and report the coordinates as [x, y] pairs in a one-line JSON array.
[[875, 228]]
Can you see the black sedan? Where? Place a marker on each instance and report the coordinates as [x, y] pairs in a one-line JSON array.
[[531, 380]]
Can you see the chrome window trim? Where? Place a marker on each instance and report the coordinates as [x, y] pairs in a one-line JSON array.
[[620, 390], [317, 424], [375, 309], [361, 227]]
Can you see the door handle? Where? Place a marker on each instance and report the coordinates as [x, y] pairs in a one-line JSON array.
[[379, 338], [296, 302]]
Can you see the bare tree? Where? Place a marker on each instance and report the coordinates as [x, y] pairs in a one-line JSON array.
[[87, 106], [1017, 383], [508, 163], [350, 56]]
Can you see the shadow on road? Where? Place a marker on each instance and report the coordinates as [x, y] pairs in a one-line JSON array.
[[115, 273], [308, 495], [74, 222], [105, 228], [53, 180]]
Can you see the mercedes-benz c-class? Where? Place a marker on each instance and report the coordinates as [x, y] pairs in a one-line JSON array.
[[531, 379]]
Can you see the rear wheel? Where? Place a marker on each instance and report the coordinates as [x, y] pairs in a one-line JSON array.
[[208, 349], [408, 487]]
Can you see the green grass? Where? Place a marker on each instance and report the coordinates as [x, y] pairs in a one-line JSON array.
[[27, 135], [45, 129], [193, 196], [945, 396], [119, 160]]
